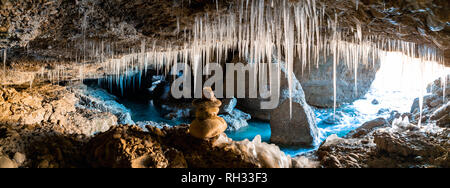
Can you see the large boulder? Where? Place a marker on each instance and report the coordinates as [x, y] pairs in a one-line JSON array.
[[126, 147], [235, 118], [413, 143], [368, 127], [300, 130], [253, 107], [436, 105], [386, 148], [290, 128], [294, 126], [5, 162], [436, 87], [317, 82]]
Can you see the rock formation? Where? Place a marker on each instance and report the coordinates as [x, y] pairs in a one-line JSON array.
[[317, 82], [207, 124], [234, 117], [368, 127], [436, 106], [294, 126], [127, 146], [390, 144], [5, 162], [289, 128], [47, 47], [54, 106]]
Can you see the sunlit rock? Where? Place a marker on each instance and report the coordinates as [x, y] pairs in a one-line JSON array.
[[16, 78], [266, 155], [207, 123], [368, 127], [19, 158], [126, 147], [5, 162], [101, 100]]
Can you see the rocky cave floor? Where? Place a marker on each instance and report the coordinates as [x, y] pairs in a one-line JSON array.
[[51, 126]]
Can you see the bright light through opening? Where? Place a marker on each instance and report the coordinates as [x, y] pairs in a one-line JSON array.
[[400, 80]]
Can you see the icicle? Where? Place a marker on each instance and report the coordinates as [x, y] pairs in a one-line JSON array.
[[421, 98], [259, 33], [335, 59]]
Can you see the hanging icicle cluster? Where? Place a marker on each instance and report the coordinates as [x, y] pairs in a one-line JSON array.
[[262, 31]]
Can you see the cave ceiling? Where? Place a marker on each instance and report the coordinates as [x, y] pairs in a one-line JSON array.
[[45, 26]]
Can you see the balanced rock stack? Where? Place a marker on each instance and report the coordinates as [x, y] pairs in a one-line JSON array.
[[207, 124]]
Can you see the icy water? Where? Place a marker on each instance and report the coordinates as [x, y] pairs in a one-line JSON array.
[[141, 112], [394, 89], [348, 118]]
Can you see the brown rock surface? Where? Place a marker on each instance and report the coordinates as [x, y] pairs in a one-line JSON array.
[[368, 127], [53, 106], [207, 124], [126, 147], [5, 162]]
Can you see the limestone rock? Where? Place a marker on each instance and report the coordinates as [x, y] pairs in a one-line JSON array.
[[386, 147], [368, 127], [219, 152], [5, 162], [228, 105], [442, 111], [207, 124], [375, 102], [126, 147], [437, 88], [292, 132], [318, 82], [19, 158], [101, 100], [297, 127], [409, 144], [208, 128], [16, 78], [236, 119], [338, 152]]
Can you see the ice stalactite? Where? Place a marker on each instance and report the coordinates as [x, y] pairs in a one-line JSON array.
[[289, 49], [258, 30], [334, 49]]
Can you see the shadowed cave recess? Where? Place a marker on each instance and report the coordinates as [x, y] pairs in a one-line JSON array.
[[91, 83]]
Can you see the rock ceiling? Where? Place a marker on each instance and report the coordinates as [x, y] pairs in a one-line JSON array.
[[47, 25]]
